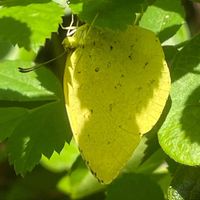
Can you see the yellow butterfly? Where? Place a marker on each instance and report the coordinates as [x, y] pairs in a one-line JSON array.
[[116, 84]]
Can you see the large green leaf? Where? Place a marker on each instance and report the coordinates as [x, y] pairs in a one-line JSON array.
[[34, 86], [5, 47], [33, 115], [9, 3], [29, 23], [41, 132], [179, 135], [20, 92], [164, 18], [185, 184], [134, 186], [40, 184], [9, 118], [115, 14]]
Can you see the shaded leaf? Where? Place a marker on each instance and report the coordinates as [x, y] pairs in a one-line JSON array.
[[9, 119], [185, 184], [33, 86], [179, 135], [129, 187], [29, 23], [9, 3], [41, 132], [20, 36], [170, 53], [164, 18], [179, 39], [33, 103], [114, 14], [40, 184], [4, 48]]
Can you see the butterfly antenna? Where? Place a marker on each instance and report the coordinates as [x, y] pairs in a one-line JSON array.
[[29, 69], [93, 21]]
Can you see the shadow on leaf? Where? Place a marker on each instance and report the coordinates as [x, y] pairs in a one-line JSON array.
[[168, 32], [187, 60], [190, 117], [9, 3], [15, 31]]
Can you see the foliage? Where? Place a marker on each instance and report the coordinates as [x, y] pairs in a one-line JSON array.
[[34, 125]]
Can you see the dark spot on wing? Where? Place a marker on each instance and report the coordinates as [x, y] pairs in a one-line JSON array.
[[111, 47], [94, 43], [131, 47], [96, 69], [151, 81], [145, 64], [100, 181], [122, 75], [130, 57], [119, 84], [79, 72], [80, 149], [94, 173]]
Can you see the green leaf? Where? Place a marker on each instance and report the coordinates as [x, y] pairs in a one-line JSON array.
[[114, 14], [40, 85], [41, 132], [170, 53], [146, 158], [134, 186], [20, 92], [179, 135], [164, 18], [4, 48], [40, 184], [62, 161], [33, 103], [181, 36], [9, 119], [80, 182], [9, 3], [29, 23], [185, 184]]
